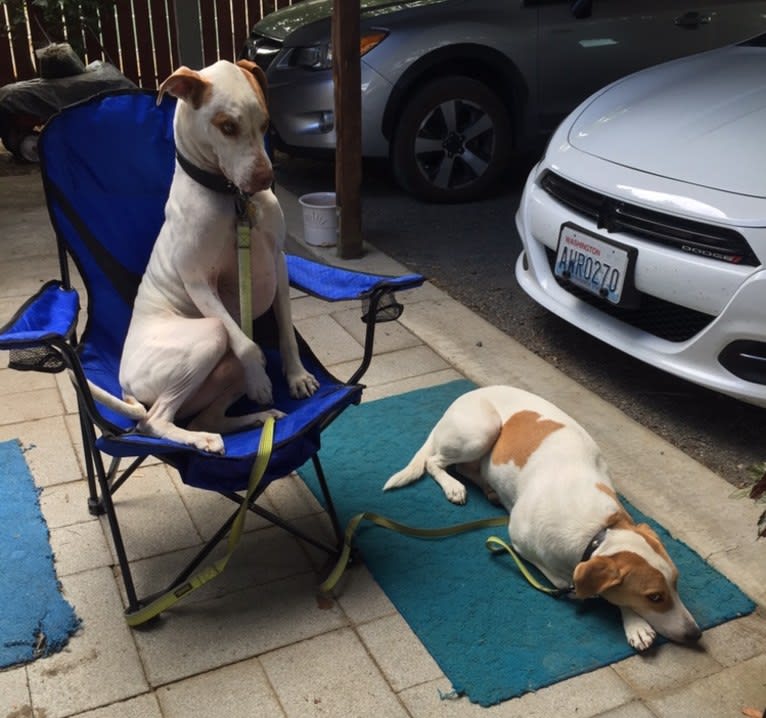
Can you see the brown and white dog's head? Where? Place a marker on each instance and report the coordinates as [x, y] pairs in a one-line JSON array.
[[222, 120], [632, 569]]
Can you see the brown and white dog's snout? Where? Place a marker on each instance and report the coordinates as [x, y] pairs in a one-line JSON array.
[[633, 571]]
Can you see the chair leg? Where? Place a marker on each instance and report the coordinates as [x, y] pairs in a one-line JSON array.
[[114, 527], [95, 507], [328, 499]]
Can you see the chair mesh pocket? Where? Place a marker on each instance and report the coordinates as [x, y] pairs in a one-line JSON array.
[[387, 310], [36, 359]]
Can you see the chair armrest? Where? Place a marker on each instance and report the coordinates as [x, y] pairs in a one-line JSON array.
[[335, 284], [49, 317]]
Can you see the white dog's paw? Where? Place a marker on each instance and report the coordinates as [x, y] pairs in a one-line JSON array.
[[302, 384], [205, 441], [276, 413], [258, 384], [639, 633]]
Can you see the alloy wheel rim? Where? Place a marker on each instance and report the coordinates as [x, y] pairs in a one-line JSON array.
[[454, 144]]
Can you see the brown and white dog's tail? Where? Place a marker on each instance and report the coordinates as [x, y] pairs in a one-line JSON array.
[[413, 471], [130, 407]]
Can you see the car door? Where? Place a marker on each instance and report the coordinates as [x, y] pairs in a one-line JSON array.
[[576, 57]]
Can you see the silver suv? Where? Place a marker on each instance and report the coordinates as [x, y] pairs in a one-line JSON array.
[[452, 89]]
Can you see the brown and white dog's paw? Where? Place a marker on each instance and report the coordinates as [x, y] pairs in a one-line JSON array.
[[639, 633], [454, 491]]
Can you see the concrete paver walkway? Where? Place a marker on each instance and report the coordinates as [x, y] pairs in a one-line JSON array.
[[256, 642]]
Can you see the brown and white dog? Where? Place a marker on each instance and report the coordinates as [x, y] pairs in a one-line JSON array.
[[185, 355], [565, 515]]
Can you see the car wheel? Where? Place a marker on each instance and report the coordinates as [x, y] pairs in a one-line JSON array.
[[22, 144], [452, 142]]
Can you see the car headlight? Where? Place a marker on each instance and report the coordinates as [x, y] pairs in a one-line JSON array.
[[319, 57]]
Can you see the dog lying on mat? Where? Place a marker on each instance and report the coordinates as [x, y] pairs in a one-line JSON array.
[[185, 355], [565, 515]]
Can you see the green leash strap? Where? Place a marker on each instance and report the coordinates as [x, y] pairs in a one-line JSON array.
[[386, 523], [496, 546], [169, 598], [244, 226]]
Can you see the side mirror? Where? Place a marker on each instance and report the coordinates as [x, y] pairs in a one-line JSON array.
[[581, 8]]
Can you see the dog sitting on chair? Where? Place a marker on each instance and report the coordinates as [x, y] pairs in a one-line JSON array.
[[565, 516], [185, 356]]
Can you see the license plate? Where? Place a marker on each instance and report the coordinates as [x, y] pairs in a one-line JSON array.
[[593, 264]]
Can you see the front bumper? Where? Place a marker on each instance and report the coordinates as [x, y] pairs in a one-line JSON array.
[[727, 303], [302, 109]]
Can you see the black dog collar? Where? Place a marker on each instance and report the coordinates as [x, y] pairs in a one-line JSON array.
[[216, 182], [594, 543]]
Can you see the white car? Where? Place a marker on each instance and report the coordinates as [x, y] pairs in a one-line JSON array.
[[644, 224]]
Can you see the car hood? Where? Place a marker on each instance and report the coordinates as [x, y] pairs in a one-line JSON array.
[[279, 24], [701, 120]]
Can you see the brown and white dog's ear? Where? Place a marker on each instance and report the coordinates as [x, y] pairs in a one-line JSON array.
[[255, 71], [595, 576], [187, 85]]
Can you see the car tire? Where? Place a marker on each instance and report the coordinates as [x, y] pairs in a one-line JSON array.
[[21, 143], [452, 142]]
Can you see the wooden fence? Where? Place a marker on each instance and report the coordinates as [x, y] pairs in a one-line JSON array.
[[138, 36]]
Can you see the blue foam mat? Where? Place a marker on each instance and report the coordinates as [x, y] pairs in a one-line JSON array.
[[35, 620], [493, 636]]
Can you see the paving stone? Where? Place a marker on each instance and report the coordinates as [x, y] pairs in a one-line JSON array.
[[397, 650], [584, 696], [152, 517], [65, 504], [99, 665], [331, 343], [240, 690], [360, 596], [24, 406], [79, 547], [14, 694], [47, 450], [719, 695], [197, 637], [335, 677], [395, 366], [666, 667], [144, 706]]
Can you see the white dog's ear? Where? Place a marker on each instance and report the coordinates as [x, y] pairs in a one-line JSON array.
[[596, 575], [257, 73], [187, 85]]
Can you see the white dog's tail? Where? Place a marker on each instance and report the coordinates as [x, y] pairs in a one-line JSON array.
[[413, 471], [130, 407]]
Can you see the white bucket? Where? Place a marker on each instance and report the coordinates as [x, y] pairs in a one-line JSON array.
[[320, 219]]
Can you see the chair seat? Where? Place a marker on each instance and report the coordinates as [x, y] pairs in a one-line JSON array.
[[296, 436]]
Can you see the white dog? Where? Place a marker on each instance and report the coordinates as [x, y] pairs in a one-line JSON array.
[[565, 516], [185, 355]]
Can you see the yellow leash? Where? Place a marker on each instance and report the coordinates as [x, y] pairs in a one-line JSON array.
[[244, 228], [166, 600], [494, 544]]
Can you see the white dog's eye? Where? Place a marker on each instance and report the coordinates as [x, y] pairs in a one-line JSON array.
[[655, 597], [229, 128]]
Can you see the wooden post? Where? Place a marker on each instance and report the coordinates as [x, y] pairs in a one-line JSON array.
[[348, 126]]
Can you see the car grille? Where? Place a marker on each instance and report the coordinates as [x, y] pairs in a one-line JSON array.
[[655, 316], [698, 238], [263, 50]]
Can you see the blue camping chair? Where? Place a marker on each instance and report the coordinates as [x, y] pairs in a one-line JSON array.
[[107, 165]]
